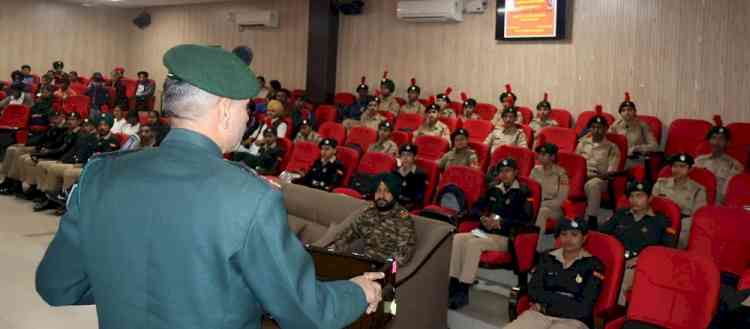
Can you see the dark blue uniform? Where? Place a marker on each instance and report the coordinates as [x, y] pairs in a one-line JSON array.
[[512, 204], [324, 176]]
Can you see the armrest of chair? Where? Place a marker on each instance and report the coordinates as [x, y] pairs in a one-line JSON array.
[[744, 282], [616, 324], [522, 244], [9, 128], [518, 302]]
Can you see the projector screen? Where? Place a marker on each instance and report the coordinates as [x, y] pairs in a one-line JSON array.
[[530, 19]]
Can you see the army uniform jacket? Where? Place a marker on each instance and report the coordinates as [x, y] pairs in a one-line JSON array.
[[68, 141], [635, 234], [601, 157], [82, 150], [447, 113], [500, 136], [355, 111], [571, 292], [52, 138], [311, 137], [537, 124], [513, 205], [388, 147], [415, 108], [324, 176], [464, 157], [269, 158], [690, 196], [107, 144], [371, 121], [201, 250], [389, 104], [723, 167], [639, 135], [439, 130], [554, 182], [413, 186], [389, 234]]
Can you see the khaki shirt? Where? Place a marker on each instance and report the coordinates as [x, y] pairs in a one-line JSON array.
[[389, 104], [447, 113], [639, 135], [465, 157], [690, 196], [723, 167], [537, 124], [439, 130], [506, 136], [600, 157], [554, 182], [371, 121], [311, 137], [387, 147], [416, 108]]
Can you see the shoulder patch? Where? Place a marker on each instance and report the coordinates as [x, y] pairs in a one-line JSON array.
[[404, 214]]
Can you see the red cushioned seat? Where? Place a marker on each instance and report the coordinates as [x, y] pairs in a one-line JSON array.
[[344, 99], [483, 153], [485, 111], [303, 156], [361, 136], [333, 130], [523, 156], [374, 163], [738, 191], [408, 122], [478, 129], [720, 233], [325, 113], [16, 118], [431, 170], [562, 116], [740, 132], [452, 123], [526, 113], [401, 137], [685, 134], [431, 147], [349, 157], [564, 138], [583, 120]]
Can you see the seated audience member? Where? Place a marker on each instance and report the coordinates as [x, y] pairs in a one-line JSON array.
[[263, 91], [432, 126], [274, 120], [506, 133], [298, 112], [685, 192], [565, 285], [268, 157], [306, 133], [353, 113], [461, 154], [275, 87], [73, 77], [637, 228], [443, 101], [388, 102], [284, 96], [371, 118], [145, 138], [413, 180], [501, 210], [28, 78], [327, 172], [384, 230], [470, 106], [42, 108], [47, 80], [507, 100], [721, 164], [160, 129], [413, 105], [602, 161], [121, 90], [98, 93], [119, 121], [132, 125], [144, 91], [57, 72], [17, 96], [542, 119], [554, 182], [384, 144], [65, 91], [640, 138]]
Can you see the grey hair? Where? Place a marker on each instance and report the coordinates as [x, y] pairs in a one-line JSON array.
[[185, 101]]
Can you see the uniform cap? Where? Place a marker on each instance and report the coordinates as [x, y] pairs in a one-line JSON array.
[[682, 157], [73, 115], [636, 186], [408, 148], [386, 125], [718, 128], [413, 88], [568, 224], [328, 142], [599, 117], [387, 83], [627, 102], [362, 84], [459, 132], [106, 117], [433, 108], [544, 103], [547, 148], [507, 163]]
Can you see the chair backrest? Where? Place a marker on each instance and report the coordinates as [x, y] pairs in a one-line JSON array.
[[15, 116], [78, 103], [720, 233], [469, 180], [408, 122], [333, 130], [739, 152], [523, 156], [362, 136], [431, 147], [130, 86], [536, 193], [478, 129], [389, 116], [740, 132], [325, 113], [564, 138], [622, 144], [78, 88], [424, 102], [431, 170], [344, 99], [529, 136], [483, 153], [738, 191], [701, 176], [586, 116], [303, 156], [400, 101], [349, 157], [452, 123], [400, 137], [143, 117], [457, 107], [655, 124], [575, 166], [374, 163], [122, 138], [485, 111], [288, 147], [562, 116], [526, 113], [685, 134], [674, 289]]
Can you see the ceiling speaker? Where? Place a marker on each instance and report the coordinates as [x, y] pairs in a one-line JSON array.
[[143, 20]]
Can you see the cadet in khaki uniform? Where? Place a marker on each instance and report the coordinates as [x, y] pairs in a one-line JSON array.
[[443, 101], [353, 113], [509, 133], [306, 134], [542, 119], [432, 125], [641, 139], [371, 118], [502, 209], [507, 100], [461, 154], [388, 102], [637, 228], [565, 285], [721, 164], [602, 160], [413, 105], [554, 182], [470, 106], [384, 144], [685, 192]]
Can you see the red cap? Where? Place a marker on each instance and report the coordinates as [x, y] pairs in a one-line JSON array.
[[432, 99], [120, 69], [508, 88], [413, 82], [363, 79], [385, 74], [717, 121], [598, 109], [627, 96], [546, 97], [464, 97], [448, 91]]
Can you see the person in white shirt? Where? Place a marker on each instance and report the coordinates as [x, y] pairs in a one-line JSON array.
[[132, 126], [119, 121], [274, 119]]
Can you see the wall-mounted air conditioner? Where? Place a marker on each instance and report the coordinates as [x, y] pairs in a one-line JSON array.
[[262, 19], [431, 11]]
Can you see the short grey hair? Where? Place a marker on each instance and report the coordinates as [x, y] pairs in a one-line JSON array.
[[183, 100]]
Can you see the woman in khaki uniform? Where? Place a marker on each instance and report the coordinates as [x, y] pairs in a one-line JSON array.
[[507, 133], [640, 138], [554, 181], [543, 110], [412, 103], [721, 164], [432, 125]]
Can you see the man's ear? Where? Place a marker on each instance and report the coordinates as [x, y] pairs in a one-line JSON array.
[[225, 112]]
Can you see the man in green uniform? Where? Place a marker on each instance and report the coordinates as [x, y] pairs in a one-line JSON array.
[[209, 246]]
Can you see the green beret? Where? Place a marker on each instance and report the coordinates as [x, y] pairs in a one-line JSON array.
[[388, 83], [636, 186], [106, 117], [213, 70], [393, 183]]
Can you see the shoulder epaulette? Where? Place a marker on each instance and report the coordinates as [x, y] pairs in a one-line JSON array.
[[114, 154]]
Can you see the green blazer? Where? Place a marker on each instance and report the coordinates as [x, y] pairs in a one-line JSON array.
[[178, 237]]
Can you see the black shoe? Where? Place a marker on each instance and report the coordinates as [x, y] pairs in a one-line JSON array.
[[461, 297], [12, 187], [46, 205], [32, 193], [593, 223], [452, 287]]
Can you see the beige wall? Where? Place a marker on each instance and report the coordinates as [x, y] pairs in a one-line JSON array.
[[40, 32], [678, 58]]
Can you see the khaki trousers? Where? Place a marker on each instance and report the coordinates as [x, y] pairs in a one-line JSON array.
[[546, 211], [594, 188], [52, 176], [467, 249], [70, 177], [687, 223], [31, 171], [535, 320], [627, 280], [12, 155]]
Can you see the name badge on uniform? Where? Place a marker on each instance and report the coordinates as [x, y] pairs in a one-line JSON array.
[[644, 229], [507, 201], [579, 279], [493, 199], [324, 170], [403, 184]]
